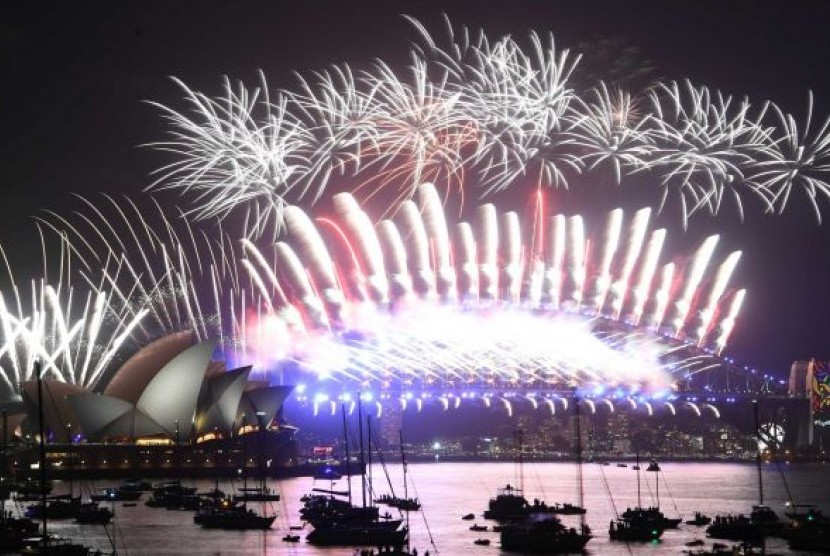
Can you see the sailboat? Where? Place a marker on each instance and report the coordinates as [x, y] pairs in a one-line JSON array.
[[340, 523], [762, 520], [326, 505], [232, 515], [638, 524], [47, 544], [510, 504], [404, 503], [652, 514], [543, 533], [261, 492]]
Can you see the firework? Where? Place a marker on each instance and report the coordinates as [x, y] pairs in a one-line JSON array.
[[475, 307], [491, 302], [485, 115], [76, 332], [172, 274]]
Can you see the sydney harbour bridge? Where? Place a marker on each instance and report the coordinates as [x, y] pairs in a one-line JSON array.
[[780, 411]]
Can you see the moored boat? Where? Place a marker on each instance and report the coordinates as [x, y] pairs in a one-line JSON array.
[[92, 513], [634, 530], [235, 518], [116, 494], [339, 522], [543, 534], [699, 520], [256, 494], [509, 504]]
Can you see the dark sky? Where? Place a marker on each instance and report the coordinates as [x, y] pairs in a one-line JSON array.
[[74, 75]]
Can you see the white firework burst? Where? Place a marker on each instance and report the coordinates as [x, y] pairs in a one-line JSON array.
[[481, 113]]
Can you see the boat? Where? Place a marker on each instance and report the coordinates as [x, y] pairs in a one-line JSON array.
[[650, 516], [256, 494], [30, 489], [173, 495], [567, 509], [381, 533], [210, 506], [803, 512], [744, 528], [213, 494], [92, 513], [630, 527], [634, 530], [230, 514], [235, 518], [44, 543], [762, 520], [116, 494], [468, 517], [482, 542], [139, 485], [55, 546], [809, 530], [56, 507], [406, 504], [14, 530], [509, 504], [720, 549], [340, 522], [291, 538], [699, 520], [543, 532], [622, 465], [477, 527]]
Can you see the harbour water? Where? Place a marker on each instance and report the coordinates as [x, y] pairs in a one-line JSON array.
[[450, 490]]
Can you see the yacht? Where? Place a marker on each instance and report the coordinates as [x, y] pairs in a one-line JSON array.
[[543, 534]]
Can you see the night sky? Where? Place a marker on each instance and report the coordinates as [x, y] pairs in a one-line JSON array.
[[75, 75]]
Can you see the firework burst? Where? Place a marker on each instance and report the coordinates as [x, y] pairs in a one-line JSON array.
[[486, 115]]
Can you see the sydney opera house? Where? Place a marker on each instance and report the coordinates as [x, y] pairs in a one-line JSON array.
[[168, 410]]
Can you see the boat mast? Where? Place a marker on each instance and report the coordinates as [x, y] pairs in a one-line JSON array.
[[579, 493], [362, 459], [369, 457], [261, 434], [405, 487], [657, 480], [4, 462], [244, 462], [520, 438], [639, 504], [41, 449], [348, 457], [758, 457], [655, 468]]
